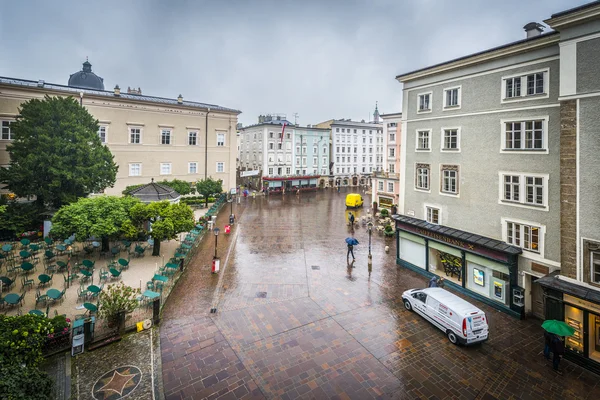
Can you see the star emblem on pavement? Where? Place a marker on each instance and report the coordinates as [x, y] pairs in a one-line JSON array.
[[118, 382]]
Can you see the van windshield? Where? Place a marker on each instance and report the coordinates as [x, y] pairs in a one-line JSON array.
[[420, 296]]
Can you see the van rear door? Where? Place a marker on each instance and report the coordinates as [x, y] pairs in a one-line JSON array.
[[476, 327]]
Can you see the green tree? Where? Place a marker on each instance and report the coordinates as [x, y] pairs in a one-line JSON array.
[[56, 154], [19, 217], [208, 187], [181, 187], [167, 220], [106, 217]]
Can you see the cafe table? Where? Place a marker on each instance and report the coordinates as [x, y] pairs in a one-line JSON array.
[[160, 278], [38, 313], [12, 298], [26, 266], [54, 294], [94, 289], [150, 294]]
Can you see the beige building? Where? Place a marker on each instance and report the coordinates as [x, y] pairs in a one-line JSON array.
[[150, 137]]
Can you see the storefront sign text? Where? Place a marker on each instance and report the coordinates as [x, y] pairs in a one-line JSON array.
[[446, 239], [581, 303]]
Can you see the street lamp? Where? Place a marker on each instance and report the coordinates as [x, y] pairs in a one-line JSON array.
[[370, 230], [216, 232]]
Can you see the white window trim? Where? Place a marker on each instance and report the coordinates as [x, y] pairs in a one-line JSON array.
[[171, 136], [459, 105], [106, 133], [524, 96], [217, 167], [592, 267], [417, 189], [135, 163], [170, 168], [417, 141], [526, 253], [217, 133], [189, 167], [522, 193], [129, 128], [430, 93], [197, 137], [545, 122], [441, 179], [458, 132], [437, 207]]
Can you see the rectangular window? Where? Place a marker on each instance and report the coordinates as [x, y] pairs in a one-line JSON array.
[[511, 187], [192, 138], [270, 171], [433, 215], [526, 86], [392, 137], [271, 144], [221, 166], [288, 170], [423, 140], [450, 140], [391, 152], [525, 135], [451, 97], [380, 183], [595, 267], [422, 177], [525, 236], [535, 84], [424, 102], [449, 179], [220, 139], [193, 168], [135, 169], [101, 133], [135, 135], [391, 168], [6, 132], [165, 136], [513, 87], [534, 190], [391, 187], [165, 168], [279, 146]]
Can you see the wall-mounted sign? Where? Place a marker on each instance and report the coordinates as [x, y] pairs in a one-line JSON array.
[[410, 213], [478, 277], [498, 290]]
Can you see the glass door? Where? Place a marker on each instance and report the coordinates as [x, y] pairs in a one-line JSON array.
[[594, 337]]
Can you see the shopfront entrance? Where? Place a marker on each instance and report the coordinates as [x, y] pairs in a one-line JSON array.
[[483, 268], [579, 306]]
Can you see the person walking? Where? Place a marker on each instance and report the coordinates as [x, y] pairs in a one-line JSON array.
[[338, 189], [433, 281], [350, 251], [547, 344], [351, 219], [558, 349]]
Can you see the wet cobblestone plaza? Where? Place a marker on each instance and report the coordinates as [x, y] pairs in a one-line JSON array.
[[294, 320]]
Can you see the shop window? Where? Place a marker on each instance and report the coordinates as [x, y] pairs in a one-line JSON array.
[[596, 267], [594, 337], [574, 318]]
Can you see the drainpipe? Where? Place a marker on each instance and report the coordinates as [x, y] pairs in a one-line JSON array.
[[206, 146]]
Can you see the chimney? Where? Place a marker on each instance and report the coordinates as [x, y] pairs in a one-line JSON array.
[[180, 99], [533, 29], [134, 90], [117, 90]]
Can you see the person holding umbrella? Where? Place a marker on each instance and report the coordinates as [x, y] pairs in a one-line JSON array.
[[557, 329], [351, 242]]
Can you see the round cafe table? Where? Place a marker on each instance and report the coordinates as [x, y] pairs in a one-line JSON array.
[[53, 293], [44, 278], [94, 289], [7, 247], [26, 266], [37, 312], [12, 298]]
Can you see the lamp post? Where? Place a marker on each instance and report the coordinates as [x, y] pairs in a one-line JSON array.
[[370, 230], [216, 232]]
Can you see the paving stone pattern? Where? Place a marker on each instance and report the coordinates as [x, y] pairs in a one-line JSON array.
[[338, 331]]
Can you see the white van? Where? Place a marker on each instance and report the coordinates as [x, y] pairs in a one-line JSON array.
[[462, 322]]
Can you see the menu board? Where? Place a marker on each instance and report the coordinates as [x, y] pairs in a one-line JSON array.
[[575, 341]]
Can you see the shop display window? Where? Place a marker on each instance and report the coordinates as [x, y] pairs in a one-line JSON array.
[[594, 337], [574, 318], [446, 265]]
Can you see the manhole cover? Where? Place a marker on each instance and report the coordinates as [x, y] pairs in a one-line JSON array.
[[315, 267], [261, 295]]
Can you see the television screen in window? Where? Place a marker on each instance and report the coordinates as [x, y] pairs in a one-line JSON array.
[[478, 277]]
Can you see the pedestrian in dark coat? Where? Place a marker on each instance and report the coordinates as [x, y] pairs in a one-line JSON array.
[[547, 344], [351, 218], [558, 349], [350, 251], [433, 281]]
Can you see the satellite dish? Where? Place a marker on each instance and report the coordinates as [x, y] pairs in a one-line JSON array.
[[147, 324]]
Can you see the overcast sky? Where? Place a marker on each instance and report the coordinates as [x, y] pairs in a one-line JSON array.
[[321, 59]]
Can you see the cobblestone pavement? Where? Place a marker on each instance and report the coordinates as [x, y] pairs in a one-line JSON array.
[[295, 320]]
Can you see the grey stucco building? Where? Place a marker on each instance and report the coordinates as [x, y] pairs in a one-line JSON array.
[[500, 189]]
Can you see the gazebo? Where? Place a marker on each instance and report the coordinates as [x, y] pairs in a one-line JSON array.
[[155, 192]]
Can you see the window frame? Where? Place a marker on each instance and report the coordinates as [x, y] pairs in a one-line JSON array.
[[165, 164], [196, 137], [450, 168], [545, 145], [592, 269], [140, 168], [539, 255], [222, 163], [190, 167], [426, 208], [458, 106], [220, 144], [10, 134], [392, 187], [100, 127], [140, 134], [523, 96], [522, 202], [426, 167], [443, 140], [427, 110], [424, 150]]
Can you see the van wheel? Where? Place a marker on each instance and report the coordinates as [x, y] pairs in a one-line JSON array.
[[452, 337], [407, 305]]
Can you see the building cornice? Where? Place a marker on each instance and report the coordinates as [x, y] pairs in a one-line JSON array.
[[575, 16], [515, 48]]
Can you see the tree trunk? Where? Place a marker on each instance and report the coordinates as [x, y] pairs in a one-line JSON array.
[[156, 249], [105, 243]]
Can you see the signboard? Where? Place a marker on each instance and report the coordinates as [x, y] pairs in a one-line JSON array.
[[233, 191], [244, 174], [581, 303]]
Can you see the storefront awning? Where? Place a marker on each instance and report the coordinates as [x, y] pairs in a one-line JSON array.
[[570, 286], [453, 236]]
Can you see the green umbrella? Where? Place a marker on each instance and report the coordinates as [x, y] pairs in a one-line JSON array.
[[559, 328]]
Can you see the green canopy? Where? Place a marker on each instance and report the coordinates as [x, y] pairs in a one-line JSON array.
[[559, 328]]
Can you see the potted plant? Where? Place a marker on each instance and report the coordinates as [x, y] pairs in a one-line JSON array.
[[388, 231], [385, 213], [115, 300]]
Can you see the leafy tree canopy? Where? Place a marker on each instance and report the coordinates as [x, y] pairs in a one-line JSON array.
[[56, 154], [167, 220], [209, 186], [103, 217]]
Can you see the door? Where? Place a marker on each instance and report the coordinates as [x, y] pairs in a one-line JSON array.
[[419, 302], [537, 299]]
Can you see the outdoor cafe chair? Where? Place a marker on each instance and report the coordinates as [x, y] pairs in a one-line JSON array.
[[26, 283], [40, 298], [49, 256], [82, 293], [116, 250], [103, 274], [6, 282], [115, 274], [89, 264], [139, 250], [124, 263]]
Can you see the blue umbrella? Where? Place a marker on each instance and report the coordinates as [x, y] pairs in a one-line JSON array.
[[351, 241]]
